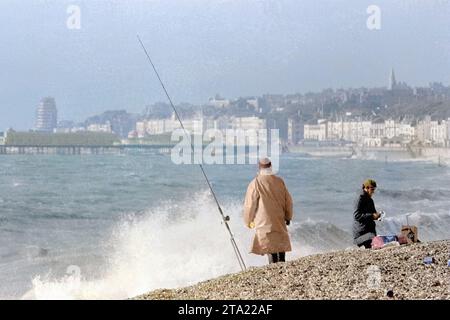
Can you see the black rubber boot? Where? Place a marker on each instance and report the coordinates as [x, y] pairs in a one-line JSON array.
[[273, 257], [366, 244]]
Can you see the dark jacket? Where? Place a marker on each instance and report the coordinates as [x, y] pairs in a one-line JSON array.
[[363, 224]]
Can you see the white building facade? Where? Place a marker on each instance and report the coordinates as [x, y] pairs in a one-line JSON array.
[[95, 127], [376, 134]]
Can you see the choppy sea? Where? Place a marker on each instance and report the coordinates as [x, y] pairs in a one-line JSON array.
[[115, 226]]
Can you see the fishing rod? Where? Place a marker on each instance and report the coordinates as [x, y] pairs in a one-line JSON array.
[[225, 219]]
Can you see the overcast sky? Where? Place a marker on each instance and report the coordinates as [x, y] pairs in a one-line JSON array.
[[232, 47]]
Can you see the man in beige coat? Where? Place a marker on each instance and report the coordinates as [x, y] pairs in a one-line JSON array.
[[268, 209]]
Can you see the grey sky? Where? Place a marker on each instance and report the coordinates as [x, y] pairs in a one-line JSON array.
[[234, 47]]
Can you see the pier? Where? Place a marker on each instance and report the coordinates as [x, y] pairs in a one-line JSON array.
[[77, 149]]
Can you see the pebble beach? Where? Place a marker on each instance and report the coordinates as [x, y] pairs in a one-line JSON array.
[[400, 272]]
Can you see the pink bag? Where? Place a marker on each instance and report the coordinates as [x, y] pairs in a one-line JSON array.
[[377, 242], [380, 241]]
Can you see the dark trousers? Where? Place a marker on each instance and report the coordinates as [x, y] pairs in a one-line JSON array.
[[276, 257], [366, 244]]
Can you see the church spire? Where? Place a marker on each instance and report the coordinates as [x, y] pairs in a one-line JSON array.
[[392, 81]]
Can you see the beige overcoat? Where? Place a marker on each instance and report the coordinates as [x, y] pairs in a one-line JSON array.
[[268, 205]]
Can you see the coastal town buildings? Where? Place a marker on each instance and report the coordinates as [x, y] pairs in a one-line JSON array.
[[393, 114], [160, 126], [362, 132], [369, 133]]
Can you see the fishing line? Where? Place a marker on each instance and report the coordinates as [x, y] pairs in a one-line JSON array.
[[224, 218]]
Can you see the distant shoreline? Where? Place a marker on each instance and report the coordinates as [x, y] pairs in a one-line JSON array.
[[425, 153], [439, 155]]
